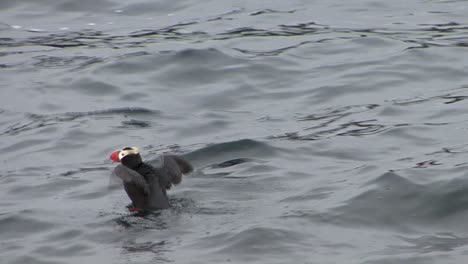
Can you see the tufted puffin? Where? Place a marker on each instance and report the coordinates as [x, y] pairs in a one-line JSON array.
[[145, 184]]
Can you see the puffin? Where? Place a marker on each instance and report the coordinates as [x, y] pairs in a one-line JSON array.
[[146, 185]]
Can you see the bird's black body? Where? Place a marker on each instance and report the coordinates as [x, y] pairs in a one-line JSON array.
[[146, 185]]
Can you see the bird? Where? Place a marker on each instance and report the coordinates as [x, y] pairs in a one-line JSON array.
[[145, 184]]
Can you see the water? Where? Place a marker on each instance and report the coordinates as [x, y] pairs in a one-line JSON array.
[[321, 131]]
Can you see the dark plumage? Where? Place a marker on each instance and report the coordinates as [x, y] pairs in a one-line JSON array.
[[144, 184]]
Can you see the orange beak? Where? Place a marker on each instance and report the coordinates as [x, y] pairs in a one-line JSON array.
[[114, 156]]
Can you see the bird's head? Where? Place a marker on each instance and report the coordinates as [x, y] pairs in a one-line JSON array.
[[128, 156], [118, 155]]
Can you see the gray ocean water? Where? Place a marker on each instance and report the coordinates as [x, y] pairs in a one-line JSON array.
[[322, 132]]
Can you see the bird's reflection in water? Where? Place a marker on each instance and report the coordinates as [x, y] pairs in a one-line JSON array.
[[143, 237], [137, 243], [154, 251], [156, 219], [158, 249], [142, 220]]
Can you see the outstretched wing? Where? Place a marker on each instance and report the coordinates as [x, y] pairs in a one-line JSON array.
[[135, 185], [171, 169]]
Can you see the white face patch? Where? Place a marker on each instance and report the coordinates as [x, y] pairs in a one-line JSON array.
[[126, 151]]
